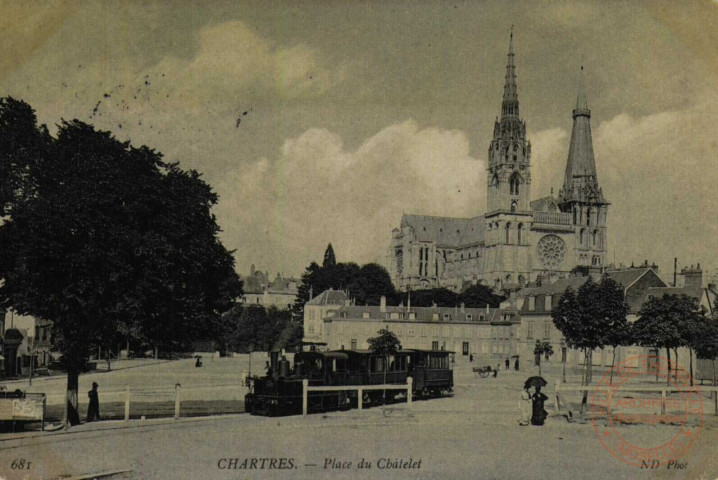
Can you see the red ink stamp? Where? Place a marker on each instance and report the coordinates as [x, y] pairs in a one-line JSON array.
[[628, 398]]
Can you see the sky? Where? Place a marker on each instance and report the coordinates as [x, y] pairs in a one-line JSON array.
[[322, 122]]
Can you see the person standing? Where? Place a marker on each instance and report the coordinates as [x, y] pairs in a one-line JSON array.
[[516, 364], [496, 370], [525, 406], [93, 409], [538, 416], [507, 363]]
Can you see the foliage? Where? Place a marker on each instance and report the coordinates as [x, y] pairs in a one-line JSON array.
[[329, 258], [385, 343], [704, 338], [478, 296], [667, 321], [365, 284], [543, 349], [593, 317], [257, 328], [106, 240], [589, 317]]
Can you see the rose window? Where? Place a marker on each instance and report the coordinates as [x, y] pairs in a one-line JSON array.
[[551, 251]]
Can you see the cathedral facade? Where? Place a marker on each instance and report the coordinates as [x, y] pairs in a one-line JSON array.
[[517, 240]]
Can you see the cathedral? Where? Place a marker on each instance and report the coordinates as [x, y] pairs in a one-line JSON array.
[[518, 240]]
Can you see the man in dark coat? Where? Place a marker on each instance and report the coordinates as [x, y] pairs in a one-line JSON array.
[[93, 410], [507, 363]]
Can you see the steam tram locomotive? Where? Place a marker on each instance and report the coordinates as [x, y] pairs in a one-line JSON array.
[[280, 391]]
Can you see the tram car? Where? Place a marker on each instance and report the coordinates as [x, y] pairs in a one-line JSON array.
[[280, 391]]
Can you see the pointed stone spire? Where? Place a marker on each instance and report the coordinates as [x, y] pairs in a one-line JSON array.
[[580, 182], [581, 103], [510, 103]]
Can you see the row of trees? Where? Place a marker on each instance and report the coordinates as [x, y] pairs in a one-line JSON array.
[[106, 240], [254, 328], [595, 317], [368, 283]]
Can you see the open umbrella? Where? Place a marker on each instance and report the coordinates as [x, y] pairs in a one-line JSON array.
[[535, 382]]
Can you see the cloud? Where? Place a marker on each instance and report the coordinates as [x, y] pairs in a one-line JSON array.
[[659, 172], [281, 213]]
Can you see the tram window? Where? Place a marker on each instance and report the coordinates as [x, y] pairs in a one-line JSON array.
[[377, 364], [421, 362]]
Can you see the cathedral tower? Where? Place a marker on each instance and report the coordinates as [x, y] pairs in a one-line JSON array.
[[581, 196], [509, 215], [509, 175]]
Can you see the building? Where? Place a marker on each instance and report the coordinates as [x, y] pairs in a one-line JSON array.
[[485, 334], [517, 240], [316, 310], [640, 284], [259, 290], [27, 343]]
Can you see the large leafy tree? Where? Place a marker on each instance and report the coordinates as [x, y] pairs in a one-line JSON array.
[[584, 317], [668, 322], [106, 240], [704, 340]]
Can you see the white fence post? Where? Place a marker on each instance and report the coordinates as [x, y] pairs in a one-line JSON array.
[[305, 387], [409, 382], [178, 389], [127, 402]]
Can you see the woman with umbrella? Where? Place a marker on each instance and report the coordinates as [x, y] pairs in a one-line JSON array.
[[538, 416]]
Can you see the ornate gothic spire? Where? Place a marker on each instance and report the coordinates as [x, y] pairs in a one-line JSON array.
[[580, 183], [510, 103]]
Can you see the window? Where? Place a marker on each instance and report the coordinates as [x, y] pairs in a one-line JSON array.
[[508, 232], [547, 303], [447, 317], [435, 345], [423, 330], [520, 230], [530, 330], [582, 235], [532, 303], [588, 216], [514, 183], [465, 349], [468, 317], [514, 205], [547, 330], [354, 343]]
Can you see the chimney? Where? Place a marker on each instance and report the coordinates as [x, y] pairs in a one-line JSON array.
[[692, 277], [382, 304]]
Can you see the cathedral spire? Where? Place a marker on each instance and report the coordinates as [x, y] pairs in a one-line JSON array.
[[510, 103], [580, 182]]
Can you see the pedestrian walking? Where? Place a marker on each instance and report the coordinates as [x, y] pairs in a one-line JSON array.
[[507, 363], [538, 416], [525, 406], [516, 364], [496, 370], [471, 358], [93, 409]]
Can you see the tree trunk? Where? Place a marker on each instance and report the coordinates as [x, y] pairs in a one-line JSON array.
[[109, 366], [584, 381], [72, 415], [675, 369], [589, 370], [668, 366], [690, 353]]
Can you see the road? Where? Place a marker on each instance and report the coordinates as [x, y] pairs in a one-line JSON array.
[[473, 434]]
